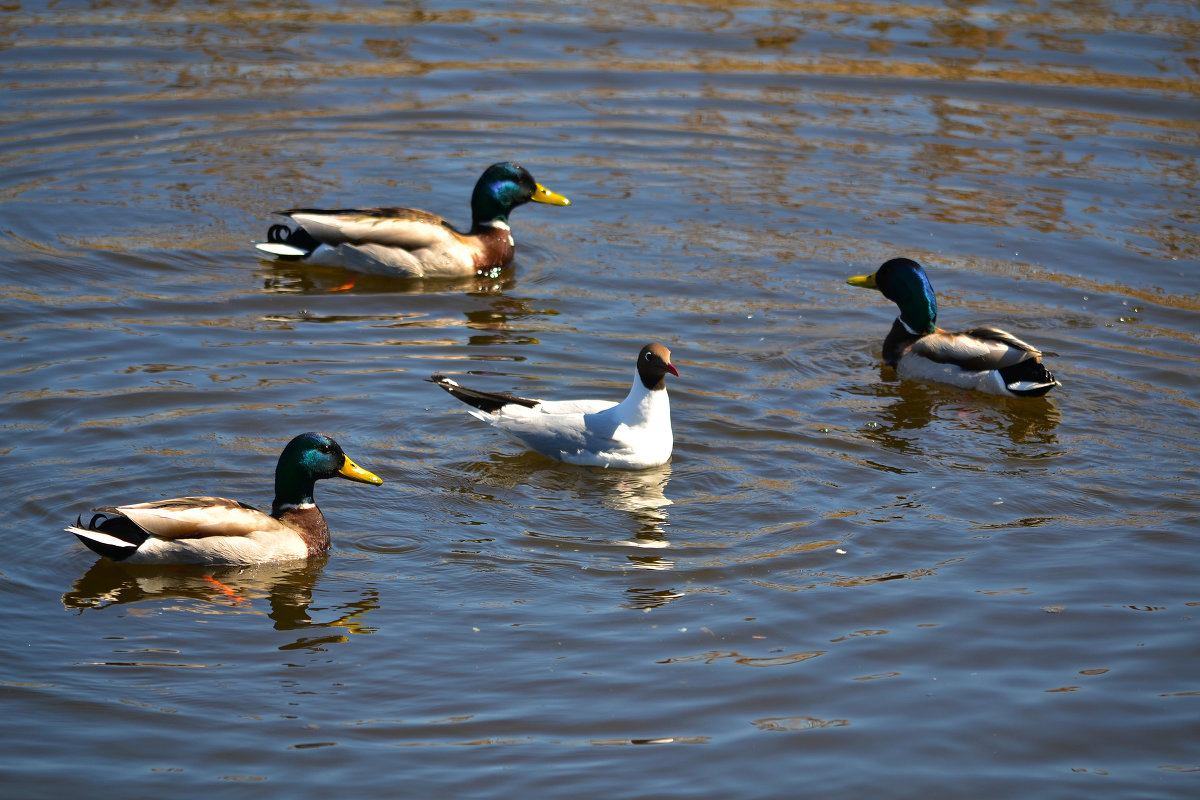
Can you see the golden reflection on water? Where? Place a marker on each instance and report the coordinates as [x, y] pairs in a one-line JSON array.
[[962, 168]]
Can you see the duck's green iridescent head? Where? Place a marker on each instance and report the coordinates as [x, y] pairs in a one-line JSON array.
[[503, 187], [904, 282], [307, 459]]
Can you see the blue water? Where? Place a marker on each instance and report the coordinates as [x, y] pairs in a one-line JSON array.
[[842, 584]]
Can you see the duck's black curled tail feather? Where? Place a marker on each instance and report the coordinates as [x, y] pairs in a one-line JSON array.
[[1029, 378], [114, 537], [296, 237], [488, 402]]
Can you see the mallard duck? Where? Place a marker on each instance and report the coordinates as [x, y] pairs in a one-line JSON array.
[[986, 359], [632, 434], [214, 530], [409, 243]]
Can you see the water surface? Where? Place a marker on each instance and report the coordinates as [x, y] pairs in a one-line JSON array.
[[841, 584]]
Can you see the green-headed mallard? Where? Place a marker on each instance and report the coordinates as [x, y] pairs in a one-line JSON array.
[[213, 530], [985, 359], [410, 243], [632, 434]]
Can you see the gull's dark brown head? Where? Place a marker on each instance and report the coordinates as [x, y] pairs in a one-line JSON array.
[[654, 364]]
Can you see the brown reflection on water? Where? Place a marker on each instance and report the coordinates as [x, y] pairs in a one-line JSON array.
[[381, 42], [961, 171]]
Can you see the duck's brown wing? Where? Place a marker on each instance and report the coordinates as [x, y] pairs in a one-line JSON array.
[[976, 349], [408, 228], [191, 517]]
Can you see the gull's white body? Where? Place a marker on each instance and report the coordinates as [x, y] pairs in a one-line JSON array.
[[633, 434]]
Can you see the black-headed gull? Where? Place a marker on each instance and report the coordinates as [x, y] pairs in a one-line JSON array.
[[632, 434]]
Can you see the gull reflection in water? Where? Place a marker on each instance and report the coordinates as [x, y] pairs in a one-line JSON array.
[[639, 497], [642, 495]]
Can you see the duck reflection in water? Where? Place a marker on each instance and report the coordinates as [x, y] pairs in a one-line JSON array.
[[287, 588], [1029, 425], [495, 323], [645, 599], [280, 277]]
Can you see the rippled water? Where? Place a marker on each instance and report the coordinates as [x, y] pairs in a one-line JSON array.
[[842, 583]]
